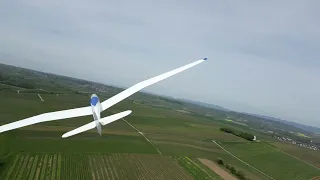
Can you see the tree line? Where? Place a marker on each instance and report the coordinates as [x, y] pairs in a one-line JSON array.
[[16, 82], [233, 170], [245, 135]]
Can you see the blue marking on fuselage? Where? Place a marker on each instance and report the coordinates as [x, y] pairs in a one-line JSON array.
[[94, 100]]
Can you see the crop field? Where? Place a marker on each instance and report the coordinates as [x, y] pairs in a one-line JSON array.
[[271, 161], [96, 166], [193, 169], [34, 166], [307, 155]]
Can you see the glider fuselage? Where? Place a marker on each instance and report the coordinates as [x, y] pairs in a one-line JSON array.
[[96, 110]]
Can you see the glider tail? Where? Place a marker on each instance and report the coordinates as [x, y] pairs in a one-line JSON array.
[[98, 126]]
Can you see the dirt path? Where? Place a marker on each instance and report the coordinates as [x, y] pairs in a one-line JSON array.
[[40, 97], [142, 135], [221, 172], [316, 178]]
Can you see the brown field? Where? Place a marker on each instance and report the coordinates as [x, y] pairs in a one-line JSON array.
[[220, 171]]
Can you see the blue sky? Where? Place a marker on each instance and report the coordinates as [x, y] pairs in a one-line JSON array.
[[263, 55]]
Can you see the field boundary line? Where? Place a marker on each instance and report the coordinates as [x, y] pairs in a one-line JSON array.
[[142, 135], [292, 156], [242, 160], [197, 165], [40, 97]]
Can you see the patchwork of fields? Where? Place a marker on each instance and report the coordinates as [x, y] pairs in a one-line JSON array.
[[271, 161], [38, 152]]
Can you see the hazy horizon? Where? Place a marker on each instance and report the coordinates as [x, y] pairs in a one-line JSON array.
[[263, 57]]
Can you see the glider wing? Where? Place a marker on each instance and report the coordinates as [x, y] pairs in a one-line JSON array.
[[51, 116], [137, 87]]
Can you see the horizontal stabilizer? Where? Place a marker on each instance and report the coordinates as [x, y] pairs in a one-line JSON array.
[[91, 125], [80, 129], [110, 119]]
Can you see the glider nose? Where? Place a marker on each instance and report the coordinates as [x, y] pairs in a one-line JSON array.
[[94, 100]]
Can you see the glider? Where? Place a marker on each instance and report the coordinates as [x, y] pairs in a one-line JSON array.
[[95, 107]]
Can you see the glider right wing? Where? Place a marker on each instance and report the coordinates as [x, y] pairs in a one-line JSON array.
[[137, 87]]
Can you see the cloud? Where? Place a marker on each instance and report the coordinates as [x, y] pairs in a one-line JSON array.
[[263, 56]]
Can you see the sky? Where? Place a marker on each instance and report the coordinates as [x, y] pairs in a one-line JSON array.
[[263, 56]]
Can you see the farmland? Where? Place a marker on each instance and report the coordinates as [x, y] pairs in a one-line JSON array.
[[38, 152], [271, 161], [93, 166], [299, 152]]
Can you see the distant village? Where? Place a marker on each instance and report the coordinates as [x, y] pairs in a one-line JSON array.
[[312, 147]]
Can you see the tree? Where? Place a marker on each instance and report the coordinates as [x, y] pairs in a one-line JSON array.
[[241, 175], [233, 170], [220, 161], [244, 135], [2, 77], [1, 163]]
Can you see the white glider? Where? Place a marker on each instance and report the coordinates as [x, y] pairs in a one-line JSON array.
[[96, 107]]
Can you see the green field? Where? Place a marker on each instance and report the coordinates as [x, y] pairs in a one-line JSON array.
[[307, 155], [271, 161], [39, 152], [93, 166]]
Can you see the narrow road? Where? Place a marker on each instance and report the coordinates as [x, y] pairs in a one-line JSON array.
[[142, 135], [40, 97]]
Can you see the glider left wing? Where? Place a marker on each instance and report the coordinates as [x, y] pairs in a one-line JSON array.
[[51, 116]]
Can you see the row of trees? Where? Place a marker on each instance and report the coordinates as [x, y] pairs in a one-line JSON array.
[[245, 135], [233, 170], [19, 83], [16, 82]]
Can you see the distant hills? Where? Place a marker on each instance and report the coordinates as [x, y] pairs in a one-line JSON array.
[[207, 105], [297, 125]]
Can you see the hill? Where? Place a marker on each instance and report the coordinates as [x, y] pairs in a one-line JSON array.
[[207, 105], [297, 125]]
